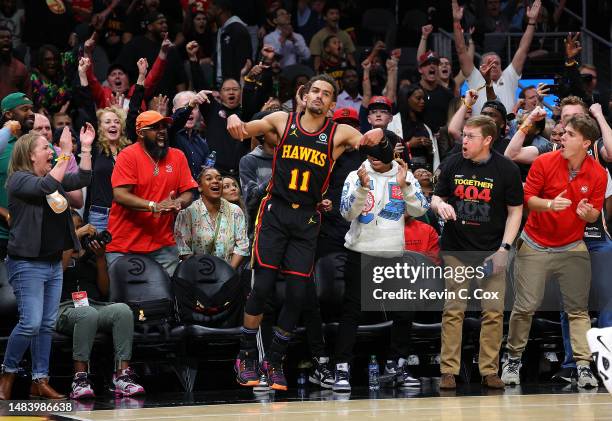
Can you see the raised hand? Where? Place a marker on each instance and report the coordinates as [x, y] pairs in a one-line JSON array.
[[165, 47], [169, 205], [235, 127], [534, 11], [116, 100], [426, 30], [65, 142], [572, 45], [84, 64], [86, 137], [596, 110], [90, 44], [537, 114], [560, 203], [200, 98], [457, 11], [192, 48], [161, 105], [470, 97], [143, 66], [541, 91], [364, 178]]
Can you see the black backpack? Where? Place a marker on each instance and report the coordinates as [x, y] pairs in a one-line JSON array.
[[208, 292]]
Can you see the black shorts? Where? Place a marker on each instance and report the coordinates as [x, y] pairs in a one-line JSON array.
[[286, 236]]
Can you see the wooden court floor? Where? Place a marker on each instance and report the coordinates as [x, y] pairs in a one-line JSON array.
[[550, 407]]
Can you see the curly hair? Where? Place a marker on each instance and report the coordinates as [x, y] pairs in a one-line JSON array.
[[103, 142]]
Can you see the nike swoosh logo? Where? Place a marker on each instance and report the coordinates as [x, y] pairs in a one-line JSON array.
[[601, 342]]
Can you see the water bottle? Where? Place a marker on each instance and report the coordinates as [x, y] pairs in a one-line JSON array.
[[373, 373], [210, 161], [302, 378]]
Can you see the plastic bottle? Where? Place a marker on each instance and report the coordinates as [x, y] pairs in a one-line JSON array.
[[373, 373], [211, 160]]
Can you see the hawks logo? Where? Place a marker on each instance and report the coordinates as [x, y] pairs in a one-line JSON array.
[[584, 189], [168, 168]]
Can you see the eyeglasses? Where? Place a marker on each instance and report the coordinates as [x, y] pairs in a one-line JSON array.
[[156, 127], [230, 89], [470, 136]]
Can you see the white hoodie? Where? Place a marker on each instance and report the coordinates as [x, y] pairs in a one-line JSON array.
[[377, 213]]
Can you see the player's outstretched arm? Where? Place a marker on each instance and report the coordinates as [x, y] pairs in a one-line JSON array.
[[374, 142], [240, 130]]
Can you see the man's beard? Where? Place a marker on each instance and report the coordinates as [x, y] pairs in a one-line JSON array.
[[26, 126], [155, 151]]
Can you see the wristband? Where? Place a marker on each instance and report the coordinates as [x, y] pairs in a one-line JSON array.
[[64, 157], [152, 206], [531, 24], [469, 107], [571, 63], [525, 127], [248, 79], [549, 204]]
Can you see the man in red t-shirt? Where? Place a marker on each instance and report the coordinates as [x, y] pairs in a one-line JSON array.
[[564, 191], [151, 182], [422, 238]]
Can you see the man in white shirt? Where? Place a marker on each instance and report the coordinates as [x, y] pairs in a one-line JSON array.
[[504, 83], [290, 45]]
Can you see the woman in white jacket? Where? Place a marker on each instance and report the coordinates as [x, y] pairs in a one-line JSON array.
[[375, 199]]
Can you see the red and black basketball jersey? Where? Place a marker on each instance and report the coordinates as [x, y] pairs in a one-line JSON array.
[[302, 163]]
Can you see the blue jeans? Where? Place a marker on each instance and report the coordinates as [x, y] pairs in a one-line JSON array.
[[165, 256], [38, 288], [601, 254], [98, 220]]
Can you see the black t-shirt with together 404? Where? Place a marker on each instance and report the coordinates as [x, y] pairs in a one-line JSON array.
[[480, 194]]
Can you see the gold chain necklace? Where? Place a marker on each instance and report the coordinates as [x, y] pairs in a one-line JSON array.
[[155, 163]]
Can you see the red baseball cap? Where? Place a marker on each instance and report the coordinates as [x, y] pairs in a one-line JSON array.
[[149, 118], [428, 57], [378, 102], [348, 113]]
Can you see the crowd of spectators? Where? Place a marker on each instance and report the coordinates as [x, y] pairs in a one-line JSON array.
[[115, 114]]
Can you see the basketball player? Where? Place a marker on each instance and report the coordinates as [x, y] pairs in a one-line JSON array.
[[288, 223]]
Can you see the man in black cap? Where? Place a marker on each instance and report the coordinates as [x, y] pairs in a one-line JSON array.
[[148, 45], [437, 97]]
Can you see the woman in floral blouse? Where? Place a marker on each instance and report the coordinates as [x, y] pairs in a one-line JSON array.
[[212, 225]]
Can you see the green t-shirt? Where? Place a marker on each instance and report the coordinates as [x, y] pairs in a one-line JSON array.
[[5, 157]]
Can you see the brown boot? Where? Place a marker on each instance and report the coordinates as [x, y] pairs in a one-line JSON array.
[[41, 390], [447, 381], [493, 381], [6, 385]]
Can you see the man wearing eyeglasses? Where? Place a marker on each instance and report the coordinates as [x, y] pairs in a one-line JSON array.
[[480, 195], [151, 182]]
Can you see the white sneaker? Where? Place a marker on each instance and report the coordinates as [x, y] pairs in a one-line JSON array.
[[601, 346], [510, 371], [341, 382], [586, 377]]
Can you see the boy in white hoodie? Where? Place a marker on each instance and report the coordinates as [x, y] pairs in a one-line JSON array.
[[375, 199]]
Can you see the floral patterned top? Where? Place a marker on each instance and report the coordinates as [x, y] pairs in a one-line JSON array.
[[194, 231]]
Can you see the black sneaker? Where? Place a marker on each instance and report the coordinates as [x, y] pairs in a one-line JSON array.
[[321, 374], [342, 379], [565, 375]]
